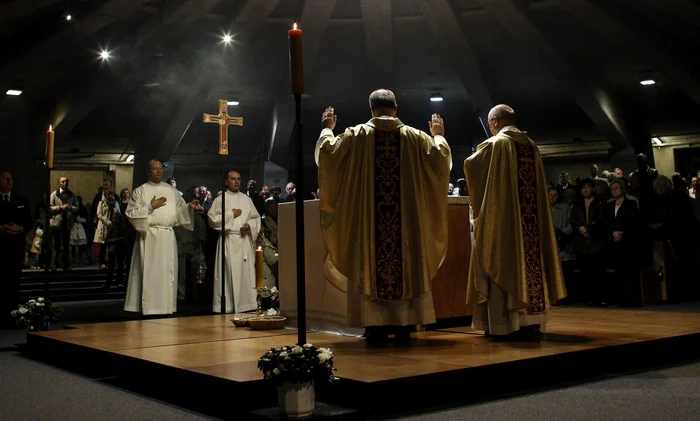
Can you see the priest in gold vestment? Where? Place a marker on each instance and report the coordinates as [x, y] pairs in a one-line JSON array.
[[384, 216], [515, 275]]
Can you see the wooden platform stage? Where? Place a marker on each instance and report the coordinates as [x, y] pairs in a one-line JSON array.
[[207, 352]]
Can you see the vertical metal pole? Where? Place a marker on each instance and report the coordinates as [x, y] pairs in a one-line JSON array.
[[299, 207], [223, 238], [483, 126]]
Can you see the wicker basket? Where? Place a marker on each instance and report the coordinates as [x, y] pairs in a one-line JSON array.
[[266, 322], [240, 322]]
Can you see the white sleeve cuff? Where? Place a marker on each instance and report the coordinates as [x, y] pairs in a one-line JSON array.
[[326, 132]]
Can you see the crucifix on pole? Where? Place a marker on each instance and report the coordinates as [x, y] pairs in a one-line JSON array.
[[223, 120]]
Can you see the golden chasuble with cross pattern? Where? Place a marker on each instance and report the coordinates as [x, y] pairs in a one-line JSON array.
[[515, 244], [384, 207]]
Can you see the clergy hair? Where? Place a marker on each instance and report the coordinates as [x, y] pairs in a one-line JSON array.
[[503, 112], [382, 99], [152, 161]]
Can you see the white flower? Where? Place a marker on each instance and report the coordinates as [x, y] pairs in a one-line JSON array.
[[13, 313], [23, 310], [276, 372], [297, 350], [267, 374], [40, 299], [324, 355], [308, 345], [272, 312], [30, 302], [39, 304], [274, 290], [283, 354]]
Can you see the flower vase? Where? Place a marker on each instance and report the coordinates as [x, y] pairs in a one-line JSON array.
[[296, 400]]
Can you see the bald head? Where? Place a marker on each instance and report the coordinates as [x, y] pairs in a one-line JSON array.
[[155, 171], [500, 116]]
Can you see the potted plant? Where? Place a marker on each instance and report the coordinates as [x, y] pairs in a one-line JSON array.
[[295, 370], [37, 314]]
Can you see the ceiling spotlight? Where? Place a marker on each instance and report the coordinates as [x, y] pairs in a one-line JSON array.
[[647, 82], [69, 17], [104, 54], [233, 102], [657, 141], [436, 97], [13, 92], [227, 38], [129, 158]]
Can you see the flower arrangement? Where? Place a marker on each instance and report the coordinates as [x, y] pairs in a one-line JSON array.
[[37, 314], [297, 364]]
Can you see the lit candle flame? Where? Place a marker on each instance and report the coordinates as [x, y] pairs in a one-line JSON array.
[[50, 127], [259, 248], [295, 25]]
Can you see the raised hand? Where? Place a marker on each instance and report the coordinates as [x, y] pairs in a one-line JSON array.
[[158, 203], [328, 119], [245, 228], [437, 125], [237, 213]]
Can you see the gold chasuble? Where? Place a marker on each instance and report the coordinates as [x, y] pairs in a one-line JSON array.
[[384, 218], [515, 265]]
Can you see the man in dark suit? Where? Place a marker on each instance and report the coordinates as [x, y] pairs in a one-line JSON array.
[[258, 201], [622, 222], [15, 224]]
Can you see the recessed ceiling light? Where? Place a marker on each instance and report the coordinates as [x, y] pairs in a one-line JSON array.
[[129, 158], [647, 82], [104, 54], [227, 38], [436, 97], [233, 102], [69, 17], [13, 92]]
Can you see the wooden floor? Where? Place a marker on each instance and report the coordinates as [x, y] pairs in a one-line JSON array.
[[212, 346]]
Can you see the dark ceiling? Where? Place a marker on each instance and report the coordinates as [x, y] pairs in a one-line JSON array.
[[570, 68]]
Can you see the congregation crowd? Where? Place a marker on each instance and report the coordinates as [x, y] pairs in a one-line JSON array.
[[628, 239]]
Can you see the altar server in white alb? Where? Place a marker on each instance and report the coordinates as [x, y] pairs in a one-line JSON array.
[[242, 228], [154, 210]]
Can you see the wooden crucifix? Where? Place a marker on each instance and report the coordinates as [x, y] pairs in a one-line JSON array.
[[223, 120]]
